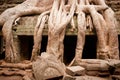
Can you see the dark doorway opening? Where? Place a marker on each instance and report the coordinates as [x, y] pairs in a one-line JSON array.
[[2, 48], [44, 44], [69, 48], [89, 51], [26, 46]]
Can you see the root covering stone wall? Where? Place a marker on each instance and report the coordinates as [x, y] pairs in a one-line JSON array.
[[114, 4], [4, 4]]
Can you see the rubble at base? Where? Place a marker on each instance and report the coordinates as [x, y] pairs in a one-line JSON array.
[[88, 69]]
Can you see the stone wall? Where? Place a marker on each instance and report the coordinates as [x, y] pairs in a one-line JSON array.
[[115, 5], [4, 4]]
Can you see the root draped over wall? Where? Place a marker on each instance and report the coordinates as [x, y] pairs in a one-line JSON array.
[[58, 14]]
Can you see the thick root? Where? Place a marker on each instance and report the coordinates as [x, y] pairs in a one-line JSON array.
[[57, 23], [8, 17], [11, 54], [38, 34]]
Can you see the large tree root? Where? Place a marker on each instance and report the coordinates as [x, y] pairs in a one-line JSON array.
[[11, 55], [57, 23], [112, 34], [8, 17], [44, 64], [26, 8], [81, 32], [38, 34], [112, 37], [59, 18], [98, 22]]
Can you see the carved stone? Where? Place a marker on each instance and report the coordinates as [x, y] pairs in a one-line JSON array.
[[47, 66], [75, 70]]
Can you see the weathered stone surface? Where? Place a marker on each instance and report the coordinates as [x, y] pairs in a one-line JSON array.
[[75, 70], [94, 64], [114, 63], [96, 67], [90, 78], [67, 77], [47, 67], [98, 73], [26, 27], [11, 78], [92, 73], [10, 71], [27, 24], [104, 73], [116, 77]]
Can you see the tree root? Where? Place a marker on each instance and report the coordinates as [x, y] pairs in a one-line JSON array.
[[57, 23], [38, 34], [8, 17], [81, 24], [101, 17]]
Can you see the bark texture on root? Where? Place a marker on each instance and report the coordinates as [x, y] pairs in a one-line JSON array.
[[57, 23], [47, 66], [111, 33], [10, 15], [81, 24], [101, 17], [38, 34], [11, 54]]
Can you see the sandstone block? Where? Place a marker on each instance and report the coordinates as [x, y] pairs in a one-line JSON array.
[[47, 67], [94, 64], [75, 70], [67, 77]]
